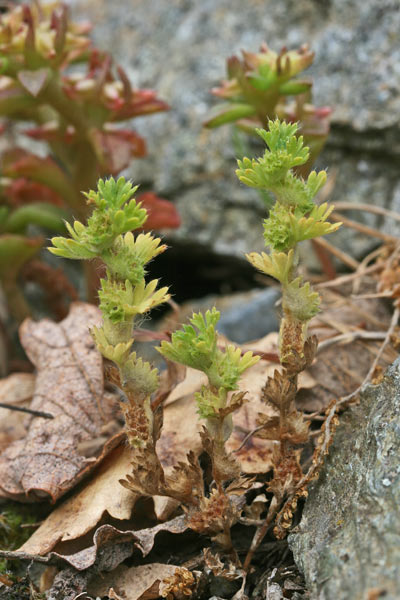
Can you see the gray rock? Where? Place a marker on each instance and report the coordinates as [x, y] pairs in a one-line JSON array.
[[349, 537], [179, 48], [250, 317]]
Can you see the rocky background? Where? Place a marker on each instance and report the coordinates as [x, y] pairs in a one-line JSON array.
[[179, 48], [348, 541]]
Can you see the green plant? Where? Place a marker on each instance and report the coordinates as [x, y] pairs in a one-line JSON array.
[[196, 346], [52, 76], [124, 298], [263, 86], [294, 217]]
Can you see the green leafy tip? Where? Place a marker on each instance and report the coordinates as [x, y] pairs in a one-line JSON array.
[[116, 212], [121, 302], [127, 258], [284, 228], [273, 171], [195, 346]]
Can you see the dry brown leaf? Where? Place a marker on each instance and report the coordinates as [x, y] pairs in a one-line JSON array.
[[16, 389], [191, 384], [340, 368], [103, 493], [81, 512], [135, 583], [116, 545], [69, 385], [180, 434], [255, 456]]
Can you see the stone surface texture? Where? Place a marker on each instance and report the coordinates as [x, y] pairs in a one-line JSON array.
[[348, 544], [179, 48]]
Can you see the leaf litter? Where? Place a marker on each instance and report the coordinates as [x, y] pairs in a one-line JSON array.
[[69, 385], [101, 495]]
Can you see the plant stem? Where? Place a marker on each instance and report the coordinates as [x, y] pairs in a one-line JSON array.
[[261, 532], [16, 302]]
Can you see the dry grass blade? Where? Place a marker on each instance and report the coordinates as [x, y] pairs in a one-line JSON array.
[[386, 237], [376, 210], [343, 279], [342, 256]]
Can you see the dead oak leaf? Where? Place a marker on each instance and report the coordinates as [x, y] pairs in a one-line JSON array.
[[69, 385], [81, 512]]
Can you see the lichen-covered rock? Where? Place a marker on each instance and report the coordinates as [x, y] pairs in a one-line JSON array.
[[180, 47], [348, 541]]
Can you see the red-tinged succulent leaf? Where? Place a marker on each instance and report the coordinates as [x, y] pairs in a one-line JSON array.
[[162, 214], [21, 191], [51, 133], [34, 81], [142, 102], [118, 147], [59, 23], [18, 163], [234, 67]]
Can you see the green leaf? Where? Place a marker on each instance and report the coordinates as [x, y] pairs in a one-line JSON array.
[[115, 213], [292, 88], [277, 264], [38, 213], [285, 151], [264, 78], [139, 376], [196, 349], [15, 251], [300, 300], [121, 302], [129, 255], [199, 350], [230, 113]]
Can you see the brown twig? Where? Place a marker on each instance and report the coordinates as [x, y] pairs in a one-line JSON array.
[[36, 413], [321, 252], [363, 267], [248, 436], [261, 532], [386, 237], [348, 278], [351, 336], [343, 256], [377, 210], [389, 333], [16, 555]]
